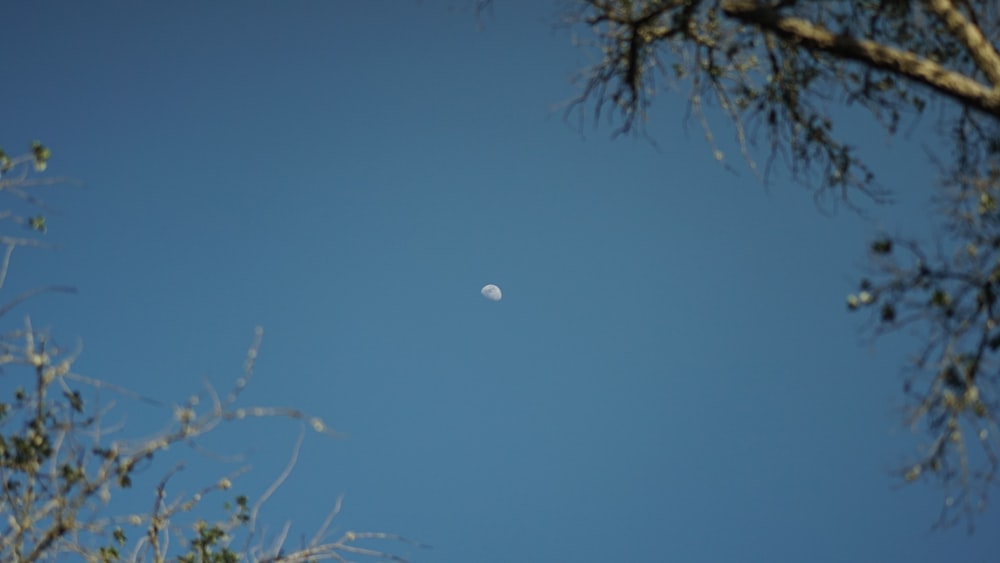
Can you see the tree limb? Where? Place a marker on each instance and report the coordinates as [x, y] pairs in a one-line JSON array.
[[982, 51], [875, 55]]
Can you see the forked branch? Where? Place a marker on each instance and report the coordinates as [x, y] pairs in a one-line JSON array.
[[947, 82]]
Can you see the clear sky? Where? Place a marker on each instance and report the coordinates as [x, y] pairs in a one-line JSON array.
[[671, 375]]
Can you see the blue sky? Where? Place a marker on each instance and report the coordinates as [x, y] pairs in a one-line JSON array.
[[671, 375]]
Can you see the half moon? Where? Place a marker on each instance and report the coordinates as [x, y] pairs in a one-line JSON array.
[[491, 292]]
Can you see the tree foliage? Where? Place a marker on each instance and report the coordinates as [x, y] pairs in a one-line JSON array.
[[64, 468], [778, 70]]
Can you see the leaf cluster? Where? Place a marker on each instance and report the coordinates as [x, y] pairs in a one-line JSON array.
[[950, 299]]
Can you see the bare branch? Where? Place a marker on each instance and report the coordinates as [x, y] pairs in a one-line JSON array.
[[33, 292], [274, 487]]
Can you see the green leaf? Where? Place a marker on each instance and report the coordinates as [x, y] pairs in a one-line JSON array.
[[75, 400], [882, 246], [940, 298], [888, 313], [37, 223]]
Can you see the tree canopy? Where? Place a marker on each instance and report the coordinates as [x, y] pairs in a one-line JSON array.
[[778, 70]]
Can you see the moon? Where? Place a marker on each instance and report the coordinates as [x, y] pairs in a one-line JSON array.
[[491, 292]]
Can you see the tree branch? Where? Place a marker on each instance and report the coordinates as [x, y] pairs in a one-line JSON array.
[[875, 55], [982, 51]]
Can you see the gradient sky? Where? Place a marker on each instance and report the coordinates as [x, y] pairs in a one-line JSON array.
[[671, 375]]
